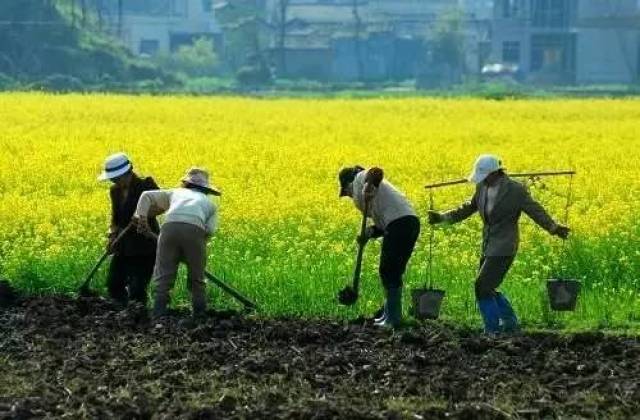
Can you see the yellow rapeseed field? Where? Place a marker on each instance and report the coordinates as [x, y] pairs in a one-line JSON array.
[[286, 239]]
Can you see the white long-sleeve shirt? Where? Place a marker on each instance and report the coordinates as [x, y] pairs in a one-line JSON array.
[[182, 205], [388, 205]]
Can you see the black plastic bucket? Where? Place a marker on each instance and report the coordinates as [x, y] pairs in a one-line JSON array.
[[427, 303], [563, 294]]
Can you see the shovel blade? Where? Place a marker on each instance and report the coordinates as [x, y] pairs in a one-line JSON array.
[[348, 296]]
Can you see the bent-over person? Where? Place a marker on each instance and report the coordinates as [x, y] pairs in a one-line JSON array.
[[191, 219], [395, 220]]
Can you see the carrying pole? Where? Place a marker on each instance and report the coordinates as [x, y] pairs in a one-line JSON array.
[[516, 175]]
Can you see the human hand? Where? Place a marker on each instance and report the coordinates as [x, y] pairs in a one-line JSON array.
[[111, 241], [142, 224], [562, 231], [435, 217]]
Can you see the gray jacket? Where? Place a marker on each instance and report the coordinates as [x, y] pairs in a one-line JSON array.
[[500, 234]]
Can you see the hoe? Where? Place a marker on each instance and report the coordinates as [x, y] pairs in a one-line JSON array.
[[349, 295], [85, 291]]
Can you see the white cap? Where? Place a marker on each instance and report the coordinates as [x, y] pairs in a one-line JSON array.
[[484, 166], [114, 166]]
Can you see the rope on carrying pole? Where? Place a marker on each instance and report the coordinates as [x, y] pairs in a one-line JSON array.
[[567, 208], [432, 233]]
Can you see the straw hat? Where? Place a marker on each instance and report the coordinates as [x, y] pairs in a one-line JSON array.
[[200, 178]]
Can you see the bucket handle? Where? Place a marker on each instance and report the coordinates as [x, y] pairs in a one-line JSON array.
[[432, 233]]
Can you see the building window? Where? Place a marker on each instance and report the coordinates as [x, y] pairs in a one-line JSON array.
[[149, 46], [551, 13], [554, 53], [511, 52], [510, 8]]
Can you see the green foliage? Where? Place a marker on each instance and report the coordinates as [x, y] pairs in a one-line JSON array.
[[244, 38], [6, 82], [196, 60]]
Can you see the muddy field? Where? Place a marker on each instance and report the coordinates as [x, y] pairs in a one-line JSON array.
[[85, 358]]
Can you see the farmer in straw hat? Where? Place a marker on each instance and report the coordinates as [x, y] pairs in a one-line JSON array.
[[191, 218], [500, 201], [133, 257], [394, 220]]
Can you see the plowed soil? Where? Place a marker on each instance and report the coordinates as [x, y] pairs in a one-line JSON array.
[[86, 358]]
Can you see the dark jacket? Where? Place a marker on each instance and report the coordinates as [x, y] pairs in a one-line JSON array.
[[500, 235], [132, 244]]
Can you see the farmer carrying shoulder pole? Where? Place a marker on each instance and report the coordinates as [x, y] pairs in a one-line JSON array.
[[191, 219], [134, 256], [500, 201], [394, 220]]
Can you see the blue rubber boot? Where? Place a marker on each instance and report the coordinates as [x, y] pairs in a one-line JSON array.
[[507, 314], [490, 315]]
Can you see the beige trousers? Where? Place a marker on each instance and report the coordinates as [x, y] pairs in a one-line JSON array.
[[180, 242]]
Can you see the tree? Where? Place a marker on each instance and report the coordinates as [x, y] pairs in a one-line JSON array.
[[243, 23], [281, 22], [120, 11], [357, 34], [447, 44], [83, 10], [196, 60]]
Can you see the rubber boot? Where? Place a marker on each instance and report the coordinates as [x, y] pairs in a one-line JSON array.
[[394, 308], [490, 315], [159, 308], [381, 314], [507, 314]]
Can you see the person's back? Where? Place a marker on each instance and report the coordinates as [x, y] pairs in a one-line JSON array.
[[187, 205], [388, 205]]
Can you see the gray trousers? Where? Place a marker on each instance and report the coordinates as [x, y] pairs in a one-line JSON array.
[[491, 274], [180, 242]]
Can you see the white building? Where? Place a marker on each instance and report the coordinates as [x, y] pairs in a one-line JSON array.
[[569, 41], [159, 26]]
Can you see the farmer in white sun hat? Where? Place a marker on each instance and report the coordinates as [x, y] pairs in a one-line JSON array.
[[191, 218], [500, 201], [134, 256]]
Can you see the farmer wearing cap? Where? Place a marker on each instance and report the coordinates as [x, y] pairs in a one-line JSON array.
[[134, 256], [500, 201], [191, 219], [394, 220]]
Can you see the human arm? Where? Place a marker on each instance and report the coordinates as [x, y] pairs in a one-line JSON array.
[[457, 215], [156, 200], [539, 215], [211, 225]]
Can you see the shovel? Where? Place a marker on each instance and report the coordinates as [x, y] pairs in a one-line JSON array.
[[349, 295], [84, 290]]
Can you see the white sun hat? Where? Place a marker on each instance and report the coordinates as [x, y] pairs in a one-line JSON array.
[[484, 166], [114, 166]]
